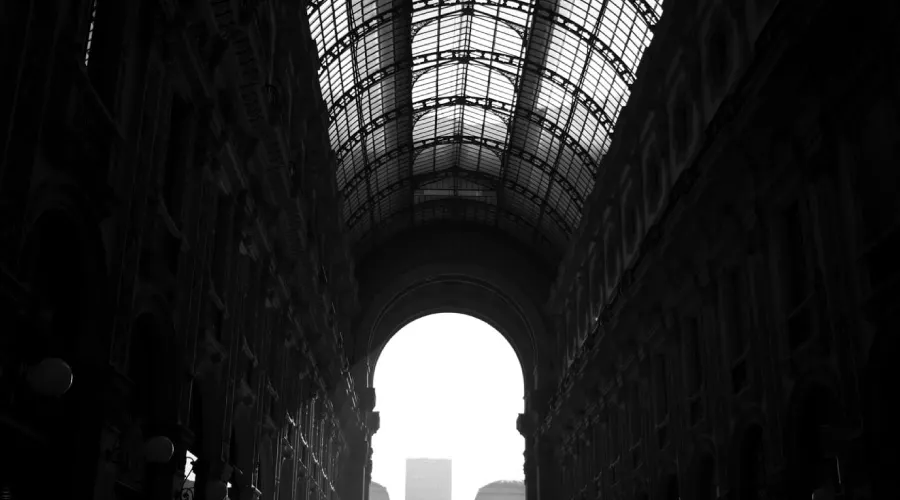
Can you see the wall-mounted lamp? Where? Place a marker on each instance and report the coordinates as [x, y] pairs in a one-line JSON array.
[[51, 377], [216, 490], [158, 449]]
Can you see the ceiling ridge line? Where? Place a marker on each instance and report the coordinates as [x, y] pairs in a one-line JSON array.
[[490, 77], [571, 114], [402, 30], [359, 112], [469, 13], [532, 49]]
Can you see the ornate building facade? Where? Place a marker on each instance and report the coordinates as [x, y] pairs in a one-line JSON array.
[[502, 490], [378, 492], [712, 314]]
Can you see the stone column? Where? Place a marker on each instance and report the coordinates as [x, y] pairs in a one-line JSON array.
[[547, 472], [525, 424], [354, 473], [368, 480], [531, 471]]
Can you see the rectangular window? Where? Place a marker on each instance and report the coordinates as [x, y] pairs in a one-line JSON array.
[[736, 296], [660, 389], [738, 312], [219, 268], [693, 368], [796, 272], [599, 443], [177, 157], [636, 413], [692, 356]]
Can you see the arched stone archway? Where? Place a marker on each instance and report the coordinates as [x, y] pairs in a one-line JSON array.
[[449, 386], [466, 271], [461, 294]]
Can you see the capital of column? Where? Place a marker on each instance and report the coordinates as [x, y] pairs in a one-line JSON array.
[[367, 398], [373, 422], [527, 423]]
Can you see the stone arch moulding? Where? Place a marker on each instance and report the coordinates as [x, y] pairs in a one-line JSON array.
[[455, 289], [461, 270], [58, 210]]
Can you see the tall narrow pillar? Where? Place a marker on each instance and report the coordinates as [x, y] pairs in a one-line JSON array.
[[353, 484], [547, 471]]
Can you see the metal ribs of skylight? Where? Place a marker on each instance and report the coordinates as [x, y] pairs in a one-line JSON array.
[[553, 134], [375, 101], [352, 52], [465, 27], [527, 198], [650, 10], [575, 56], [521, 156], [374, 84]]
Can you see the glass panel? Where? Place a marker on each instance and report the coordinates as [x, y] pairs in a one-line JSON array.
[[433, 159], [475, 86], [474, 157]]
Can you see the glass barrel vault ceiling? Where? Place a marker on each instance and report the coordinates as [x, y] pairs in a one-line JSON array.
[[491, 111]]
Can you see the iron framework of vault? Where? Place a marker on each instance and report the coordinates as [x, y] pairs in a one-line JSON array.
[[496, 112]]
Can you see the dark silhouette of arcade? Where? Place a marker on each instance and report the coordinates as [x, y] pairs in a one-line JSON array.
[[681, 215]]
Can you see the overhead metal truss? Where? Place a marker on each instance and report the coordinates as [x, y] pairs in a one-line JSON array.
[[452, 207], [532, 87], [384, 18], [462, 100], [648, 12], [469, 57], [498, 147], [417, 181]]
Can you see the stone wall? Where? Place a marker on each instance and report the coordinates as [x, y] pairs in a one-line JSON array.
[[719, 305], [168, 194]]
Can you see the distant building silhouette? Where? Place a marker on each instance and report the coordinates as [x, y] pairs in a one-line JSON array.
[[428, 478], [378, 492], [502, 490]]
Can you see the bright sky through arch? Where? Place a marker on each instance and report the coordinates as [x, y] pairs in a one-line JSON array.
[[448, 386]]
